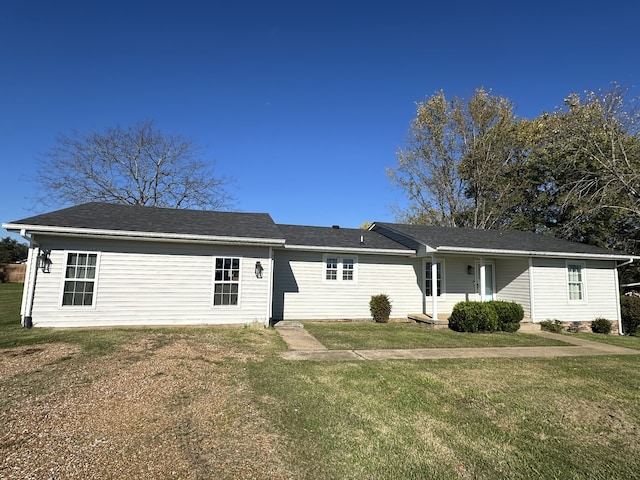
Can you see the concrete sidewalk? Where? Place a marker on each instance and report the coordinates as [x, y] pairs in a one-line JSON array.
[[304, 346]]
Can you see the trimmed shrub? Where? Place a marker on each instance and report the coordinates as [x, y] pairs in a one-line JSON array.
[[509, 315], [601, 325], [553, 326], [380, 307], [473, 317], [630, 314]]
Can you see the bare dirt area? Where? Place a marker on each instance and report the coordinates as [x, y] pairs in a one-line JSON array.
[[160, 407]]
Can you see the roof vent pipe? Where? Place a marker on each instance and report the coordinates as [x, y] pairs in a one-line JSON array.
[[361, 239]]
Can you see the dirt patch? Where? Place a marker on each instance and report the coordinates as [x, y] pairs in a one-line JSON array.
[[177, 411], [28, 359]]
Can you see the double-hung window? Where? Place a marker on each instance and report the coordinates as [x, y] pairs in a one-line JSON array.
[[226, 284], [331, 268], [428, 284], [80, 279], [340, 269], [575, 281]]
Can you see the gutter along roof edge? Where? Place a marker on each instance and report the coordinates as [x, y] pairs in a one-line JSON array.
[[135, 235]]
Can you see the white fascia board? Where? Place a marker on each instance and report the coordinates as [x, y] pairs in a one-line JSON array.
[[528, 253], [364, 251], [133, 235]]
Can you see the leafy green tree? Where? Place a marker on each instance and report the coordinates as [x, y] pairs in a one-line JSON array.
[[12, 251], [464, 162]]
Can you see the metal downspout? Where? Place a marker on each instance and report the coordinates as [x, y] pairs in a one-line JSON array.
[[620, 332], [267, 321], [30, 286], [532, 301]]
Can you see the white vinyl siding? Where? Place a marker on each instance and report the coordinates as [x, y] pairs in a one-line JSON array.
[[301, 293], [512, 281], [550, 291], [152, 283]]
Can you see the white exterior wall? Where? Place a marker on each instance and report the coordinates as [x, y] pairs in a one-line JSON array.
[[302, 293], [512, 282], [151, 283], [551, 296]]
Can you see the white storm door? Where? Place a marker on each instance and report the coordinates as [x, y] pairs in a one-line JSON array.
[[485, 281]]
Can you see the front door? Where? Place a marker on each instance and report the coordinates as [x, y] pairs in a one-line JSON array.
[[485, 281]]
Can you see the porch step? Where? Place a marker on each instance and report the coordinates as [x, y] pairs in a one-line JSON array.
[[427, 320], [526, 326]]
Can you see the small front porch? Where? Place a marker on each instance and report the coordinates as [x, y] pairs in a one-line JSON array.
[[526, 324], [441, 322]]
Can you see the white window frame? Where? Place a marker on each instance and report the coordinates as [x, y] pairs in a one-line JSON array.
[[223, 281], [443, 283], [340, 271], [65, 279], [582, 282]]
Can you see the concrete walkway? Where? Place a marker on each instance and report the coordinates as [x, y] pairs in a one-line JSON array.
[[304, 346]]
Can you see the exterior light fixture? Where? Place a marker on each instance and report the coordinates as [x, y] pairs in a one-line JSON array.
[[469, 270], [45, 260], [259, 269]]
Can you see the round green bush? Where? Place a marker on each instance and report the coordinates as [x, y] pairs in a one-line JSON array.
[[553, 326], [473, 317], [380, 307], [630, 314], [509, 327], [601, 325], [510, 314]]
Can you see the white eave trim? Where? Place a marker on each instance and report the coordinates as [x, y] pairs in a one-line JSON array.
[[364, 251], [530, 253], [134, 235]]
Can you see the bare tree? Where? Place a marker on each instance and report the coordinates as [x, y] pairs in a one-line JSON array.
[[140, 165]]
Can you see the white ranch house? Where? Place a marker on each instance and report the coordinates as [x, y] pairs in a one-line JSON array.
[[101, 264]]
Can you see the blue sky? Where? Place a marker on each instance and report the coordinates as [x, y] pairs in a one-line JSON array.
[[304, 104]]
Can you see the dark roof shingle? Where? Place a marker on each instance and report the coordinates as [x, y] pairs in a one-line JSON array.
[[134, 218], [511, 240]]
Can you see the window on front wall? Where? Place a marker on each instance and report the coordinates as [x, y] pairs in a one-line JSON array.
[[226, 284], [575, 278], [331, 272], [428, 286], [340, 269], [80, 279]]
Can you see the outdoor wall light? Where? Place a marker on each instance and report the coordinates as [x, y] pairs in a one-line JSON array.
[[469, 270], [45, 260], [259, 269]]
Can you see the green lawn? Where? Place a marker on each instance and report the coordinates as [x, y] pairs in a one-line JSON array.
[[569, 418], [565, 418], [371, 335], [618, 340]]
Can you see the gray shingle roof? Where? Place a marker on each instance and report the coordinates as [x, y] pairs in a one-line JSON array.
[[437, 237], [338, 238], [108, 216]]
